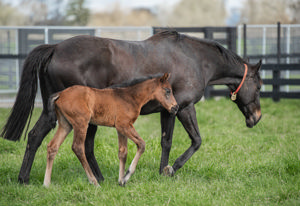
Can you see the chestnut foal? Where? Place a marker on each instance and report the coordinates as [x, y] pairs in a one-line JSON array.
[[119, 107]]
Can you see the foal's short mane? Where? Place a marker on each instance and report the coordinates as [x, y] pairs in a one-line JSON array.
[[227, 54], [135, 81]]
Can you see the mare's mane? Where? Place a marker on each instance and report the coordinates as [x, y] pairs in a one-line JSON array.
[[173, 35], [134, 81]]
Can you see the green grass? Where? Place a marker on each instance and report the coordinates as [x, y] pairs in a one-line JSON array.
[[234, 166]]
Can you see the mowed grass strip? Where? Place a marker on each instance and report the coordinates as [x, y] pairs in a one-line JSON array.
[[234, 166]]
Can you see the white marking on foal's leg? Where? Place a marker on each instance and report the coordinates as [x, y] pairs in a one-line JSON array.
[[127, 175]]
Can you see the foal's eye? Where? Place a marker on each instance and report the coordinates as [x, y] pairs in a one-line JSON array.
[[168, 92]]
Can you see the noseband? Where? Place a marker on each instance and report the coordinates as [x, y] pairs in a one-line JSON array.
[[233, 94]]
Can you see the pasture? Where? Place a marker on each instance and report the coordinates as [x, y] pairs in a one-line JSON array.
[[234, 166]]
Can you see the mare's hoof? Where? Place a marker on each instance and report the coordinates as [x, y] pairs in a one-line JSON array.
[[168, 171], [23, 181]]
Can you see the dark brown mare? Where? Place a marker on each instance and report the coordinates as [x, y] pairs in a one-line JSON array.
[[78, 106], [100, 62]]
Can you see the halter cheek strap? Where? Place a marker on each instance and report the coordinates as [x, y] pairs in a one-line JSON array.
[[233, 94]]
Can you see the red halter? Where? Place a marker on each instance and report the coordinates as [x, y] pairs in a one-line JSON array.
[[233, 94]]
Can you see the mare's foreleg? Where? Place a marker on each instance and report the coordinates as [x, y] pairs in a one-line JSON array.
[[122, 156], [89, 152], [140, 143], [35, 138], [79, 150], [187, 116], [52, 149], [167, 127]]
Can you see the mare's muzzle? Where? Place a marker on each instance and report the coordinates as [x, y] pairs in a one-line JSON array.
[[253, 119], [174, 109]]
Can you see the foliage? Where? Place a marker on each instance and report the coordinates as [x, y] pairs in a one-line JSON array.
[[10, 16], [234, 166], [294, 6], [270, 11], [184, 13], [198, 13], [77, 13], [119, 17]]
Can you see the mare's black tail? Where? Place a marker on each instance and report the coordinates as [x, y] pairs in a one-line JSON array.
[[37, 59]]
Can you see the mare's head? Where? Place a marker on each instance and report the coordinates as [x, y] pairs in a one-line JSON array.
[[164, 95], [247, 97]]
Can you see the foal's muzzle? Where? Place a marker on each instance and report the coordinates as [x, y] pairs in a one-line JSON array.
[[174, 109]]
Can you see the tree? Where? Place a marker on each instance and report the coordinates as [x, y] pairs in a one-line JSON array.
[[35, 11], [43, 12], [76, 13], [294, 6], [116, 16], [265, 12], [10, 16], [198, 13]]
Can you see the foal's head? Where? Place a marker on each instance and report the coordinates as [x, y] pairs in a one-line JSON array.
[[164, 95]]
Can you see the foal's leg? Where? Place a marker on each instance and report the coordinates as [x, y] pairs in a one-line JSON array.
[[78, 148], [140, 143], [122, 156], [53, 146]]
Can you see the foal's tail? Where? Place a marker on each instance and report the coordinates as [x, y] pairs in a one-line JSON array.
[[37, 60], [51, 109]]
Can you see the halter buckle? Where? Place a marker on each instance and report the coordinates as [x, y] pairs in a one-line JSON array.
[[233, 96]]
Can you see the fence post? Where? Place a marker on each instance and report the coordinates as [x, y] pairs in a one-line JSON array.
[[245, 41], [276, 72], [208, 34], [232, 38]]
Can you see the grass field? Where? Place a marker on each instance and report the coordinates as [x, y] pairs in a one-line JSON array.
[[234, 166]]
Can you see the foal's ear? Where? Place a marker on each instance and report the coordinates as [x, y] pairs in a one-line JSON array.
[[165, 77]]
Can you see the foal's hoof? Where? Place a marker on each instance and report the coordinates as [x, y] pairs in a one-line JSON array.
[[46, 185], [122, 183], [169, 171]]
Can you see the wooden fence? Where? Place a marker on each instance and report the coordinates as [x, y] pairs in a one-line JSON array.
[[238, 39]]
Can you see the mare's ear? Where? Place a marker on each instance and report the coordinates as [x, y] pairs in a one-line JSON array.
[[257, 66], [165, 77]]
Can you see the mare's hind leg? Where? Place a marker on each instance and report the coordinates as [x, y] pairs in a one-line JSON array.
[[53, 146], [78, 148], [35, 138], [130, 133], [89, 152]]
